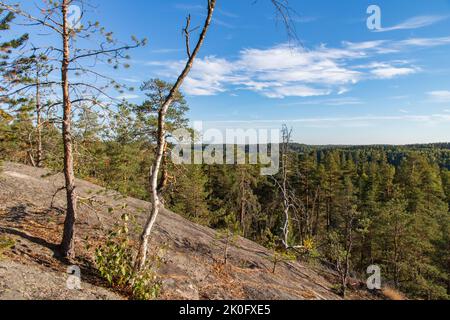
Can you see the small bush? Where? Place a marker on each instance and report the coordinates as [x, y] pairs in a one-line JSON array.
[[114, 261], [145, 285], [279, 253], [229, 235], [5, 244]]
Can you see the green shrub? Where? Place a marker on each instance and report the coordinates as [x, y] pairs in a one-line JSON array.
[[114, 261], [279, 253], [5, 244], [145, 285]]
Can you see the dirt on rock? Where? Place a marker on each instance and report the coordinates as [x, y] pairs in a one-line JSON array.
[[32, 215]]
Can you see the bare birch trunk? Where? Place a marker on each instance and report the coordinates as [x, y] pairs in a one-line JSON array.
[[157, 205]]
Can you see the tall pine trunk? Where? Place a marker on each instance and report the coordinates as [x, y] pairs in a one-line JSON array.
[[38, 122], [68, 240]]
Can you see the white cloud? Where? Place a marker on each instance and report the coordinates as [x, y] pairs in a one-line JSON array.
[[424, 119], [389, 72], [342, 101], [209, 76], [415, 23], [422, 42], [127, 97], [131, 80], [227, 14], [440, 96], [296, 91], [167, 50], [290, 71], [343, 91]]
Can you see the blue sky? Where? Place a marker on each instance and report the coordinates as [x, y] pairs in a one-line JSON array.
[[340, 84]]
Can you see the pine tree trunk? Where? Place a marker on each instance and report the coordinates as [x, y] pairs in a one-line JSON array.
[[68, 242], [38, 122]]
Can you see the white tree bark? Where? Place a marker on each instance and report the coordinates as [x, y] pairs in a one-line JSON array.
[[157, 204]]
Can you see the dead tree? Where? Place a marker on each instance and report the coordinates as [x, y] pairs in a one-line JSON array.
[[291, 205], [285, 191]]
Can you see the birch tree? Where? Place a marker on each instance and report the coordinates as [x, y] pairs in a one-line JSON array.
[[157, 204], [283, 11]]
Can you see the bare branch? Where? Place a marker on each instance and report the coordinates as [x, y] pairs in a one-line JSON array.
[[187, 35]]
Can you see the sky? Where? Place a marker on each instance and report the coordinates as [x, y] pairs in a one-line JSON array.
[[339, 82]]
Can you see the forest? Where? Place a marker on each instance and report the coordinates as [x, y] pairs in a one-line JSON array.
[[343, 207], [372, 205]]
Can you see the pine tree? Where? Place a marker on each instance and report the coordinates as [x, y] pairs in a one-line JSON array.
[[19, 137], [68, 58], [394, 236], [247, 207], [306, 184], [422, 186], [188, 194], [32, 71], [330, 187], [7, 46]]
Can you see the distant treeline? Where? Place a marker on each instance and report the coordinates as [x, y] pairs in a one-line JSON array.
[[438, 152]]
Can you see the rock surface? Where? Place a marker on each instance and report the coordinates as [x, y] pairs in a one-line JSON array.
[[192, 267], [25, 282]]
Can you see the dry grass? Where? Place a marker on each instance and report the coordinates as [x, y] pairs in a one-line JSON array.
[[393, 294]]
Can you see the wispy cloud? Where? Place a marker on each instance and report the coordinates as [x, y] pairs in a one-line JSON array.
[[189, 7], [127, 97], [131, 80], [344, 101], [442, 96], [389, 71], [286, 71], [415, 23], [223, 23], [296, 91], [227, 14], [167, 50], [421, 42], [425, 119]]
